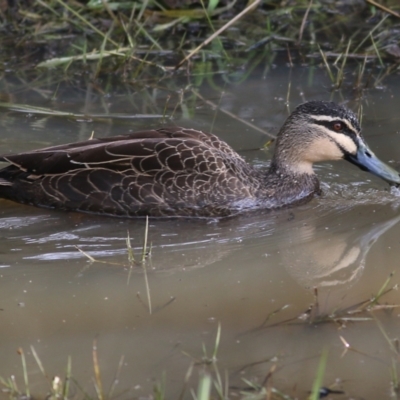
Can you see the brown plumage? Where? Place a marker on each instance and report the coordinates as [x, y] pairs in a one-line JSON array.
[[178, 171]]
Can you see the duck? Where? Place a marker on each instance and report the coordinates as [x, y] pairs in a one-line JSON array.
[[181, 172]]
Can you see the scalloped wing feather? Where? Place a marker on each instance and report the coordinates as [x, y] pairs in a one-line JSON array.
[[161, 172]]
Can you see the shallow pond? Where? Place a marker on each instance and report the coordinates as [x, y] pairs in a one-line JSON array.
[[255, 275]]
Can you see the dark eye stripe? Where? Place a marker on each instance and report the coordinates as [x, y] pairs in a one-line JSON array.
[[329, 125]]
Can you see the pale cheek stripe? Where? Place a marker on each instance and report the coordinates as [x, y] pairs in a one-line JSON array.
[[345, 143], [341, 140]]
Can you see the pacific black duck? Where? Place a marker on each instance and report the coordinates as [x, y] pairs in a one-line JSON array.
[[185, 172]]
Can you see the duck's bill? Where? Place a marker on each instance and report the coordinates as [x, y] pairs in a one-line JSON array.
[[368, 161]]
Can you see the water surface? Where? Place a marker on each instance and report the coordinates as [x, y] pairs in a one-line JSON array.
[[235, 272]]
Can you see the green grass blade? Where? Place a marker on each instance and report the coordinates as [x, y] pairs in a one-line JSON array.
[[320, 376]]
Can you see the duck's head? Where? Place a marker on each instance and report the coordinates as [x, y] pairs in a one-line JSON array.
[[321, 131]]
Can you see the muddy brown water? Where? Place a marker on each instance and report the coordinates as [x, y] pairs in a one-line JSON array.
[[202, 273]]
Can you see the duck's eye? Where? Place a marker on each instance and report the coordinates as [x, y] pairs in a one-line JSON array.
[[337, 126]]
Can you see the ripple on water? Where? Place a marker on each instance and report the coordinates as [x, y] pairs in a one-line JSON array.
[[338, 196], [50, 237], [19, 222], [395, 191]]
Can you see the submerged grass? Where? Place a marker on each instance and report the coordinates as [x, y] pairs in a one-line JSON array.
[[145, 48], [153, 39], [210, 383], [135, 261], [359, 312]]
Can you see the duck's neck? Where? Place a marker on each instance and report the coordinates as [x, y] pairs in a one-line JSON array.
[[290, 186]]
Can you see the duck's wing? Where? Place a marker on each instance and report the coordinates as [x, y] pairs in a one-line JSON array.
[[160, 172], [172, 148]]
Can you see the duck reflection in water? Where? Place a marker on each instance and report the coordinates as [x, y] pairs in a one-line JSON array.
[[327, 258]]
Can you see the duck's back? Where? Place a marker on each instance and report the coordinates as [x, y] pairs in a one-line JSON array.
[[164, 172]]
